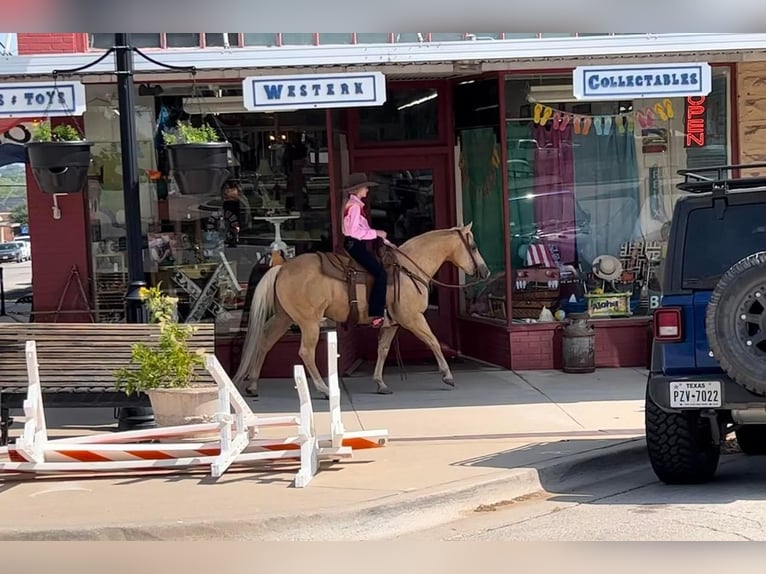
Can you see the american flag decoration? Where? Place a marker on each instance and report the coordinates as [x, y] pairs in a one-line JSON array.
[[539, 255]]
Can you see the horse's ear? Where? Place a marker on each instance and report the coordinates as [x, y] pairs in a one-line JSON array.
[[467, 228]]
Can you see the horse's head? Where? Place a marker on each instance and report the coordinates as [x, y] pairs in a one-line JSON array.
[[467, 256]]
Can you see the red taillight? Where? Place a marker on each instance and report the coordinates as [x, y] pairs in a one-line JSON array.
[[667, 325]]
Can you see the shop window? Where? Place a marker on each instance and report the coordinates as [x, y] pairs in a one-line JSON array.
[[366, 38], [409, 37], [335, 38], [447, 37], [260, 39], [477, 124], [410, 114], [216, 40], [484, 36], [592, 191], [182, 40], [106, 41], [289, 39], [278, 177], [105, 194]]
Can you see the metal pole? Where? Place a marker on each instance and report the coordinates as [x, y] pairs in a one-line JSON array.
[[134, 307], [129, 145], [2, 292]]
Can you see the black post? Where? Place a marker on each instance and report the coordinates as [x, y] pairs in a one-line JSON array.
[[2, 293], [129, 145], [134, 307]]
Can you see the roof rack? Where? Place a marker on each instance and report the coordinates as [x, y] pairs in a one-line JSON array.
[[695, 182]]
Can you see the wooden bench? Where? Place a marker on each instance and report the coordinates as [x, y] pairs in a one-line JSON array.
[[77, 363]]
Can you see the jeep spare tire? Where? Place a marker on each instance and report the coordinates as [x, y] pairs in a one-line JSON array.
[[735, 322]]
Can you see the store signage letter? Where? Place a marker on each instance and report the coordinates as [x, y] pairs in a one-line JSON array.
[[646, 81], [42, 99], [696, 115], [271, 93]]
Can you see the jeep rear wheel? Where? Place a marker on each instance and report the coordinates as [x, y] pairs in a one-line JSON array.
[[752, 439], [735, 322], [680, 445]]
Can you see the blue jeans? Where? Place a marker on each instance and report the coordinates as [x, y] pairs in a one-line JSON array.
[[377, 299]]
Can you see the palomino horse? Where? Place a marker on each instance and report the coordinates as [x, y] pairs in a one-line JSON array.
[[298, 292]]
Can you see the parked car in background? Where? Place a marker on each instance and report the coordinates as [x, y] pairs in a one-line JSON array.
[[26, 249], [10, 252]]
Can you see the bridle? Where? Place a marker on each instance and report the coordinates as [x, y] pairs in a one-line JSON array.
[[428, 280]]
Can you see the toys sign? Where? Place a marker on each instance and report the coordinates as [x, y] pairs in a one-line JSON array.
[[42, 99]]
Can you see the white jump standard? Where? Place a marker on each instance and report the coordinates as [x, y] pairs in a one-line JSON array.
[[238, 428]]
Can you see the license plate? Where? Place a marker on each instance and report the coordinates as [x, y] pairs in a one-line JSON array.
[[695, 394]]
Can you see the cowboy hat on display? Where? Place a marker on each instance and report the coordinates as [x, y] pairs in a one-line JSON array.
[[357, 181], [607, 267]]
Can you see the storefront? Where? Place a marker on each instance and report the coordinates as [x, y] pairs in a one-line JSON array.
[[570, 199], [589, 193]]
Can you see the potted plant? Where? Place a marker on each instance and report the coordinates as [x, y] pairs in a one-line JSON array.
[[198, 159], [59, 158], [168, 371]]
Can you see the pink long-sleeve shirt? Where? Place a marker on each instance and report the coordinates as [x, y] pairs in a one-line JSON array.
[[355, 224]]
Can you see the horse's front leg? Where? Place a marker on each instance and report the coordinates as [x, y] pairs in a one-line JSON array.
[[384, 346], [419, 327]]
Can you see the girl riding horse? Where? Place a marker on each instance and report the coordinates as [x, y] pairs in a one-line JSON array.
[[358, 235]]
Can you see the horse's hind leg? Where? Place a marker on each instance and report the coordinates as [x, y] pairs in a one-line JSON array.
[[275, 328], [384, 345], [307, 352]]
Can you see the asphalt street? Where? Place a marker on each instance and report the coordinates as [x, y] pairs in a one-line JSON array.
[[623, 501], [17, 279]]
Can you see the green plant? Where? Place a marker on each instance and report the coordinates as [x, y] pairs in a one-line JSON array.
[[168, 365], [42, 132], [187, 133]]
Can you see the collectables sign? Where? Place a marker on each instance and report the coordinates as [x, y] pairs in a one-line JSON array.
[[642, 81]]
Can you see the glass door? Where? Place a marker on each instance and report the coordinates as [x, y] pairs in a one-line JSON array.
[[411, 199]]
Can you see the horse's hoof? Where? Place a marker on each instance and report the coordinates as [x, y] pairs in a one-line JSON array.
[[449, 382], [385, 391]]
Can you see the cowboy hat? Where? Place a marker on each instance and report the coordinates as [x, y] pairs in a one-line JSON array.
[[357, 181], [607, 267]]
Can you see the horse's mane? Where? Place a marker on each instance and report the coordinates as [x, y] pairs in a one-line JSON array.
[[427, 235]]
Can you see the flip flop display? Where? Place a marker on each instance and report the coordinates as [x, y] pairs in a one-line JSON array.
[[603, 124]]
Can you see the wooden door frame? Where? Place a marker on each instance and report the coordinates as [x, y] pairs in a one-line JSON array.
[[440, 163]]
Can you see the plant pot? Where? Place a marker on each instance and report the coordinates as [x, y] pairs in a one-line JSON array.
[[200, 168], [194, 405], [60, 167]]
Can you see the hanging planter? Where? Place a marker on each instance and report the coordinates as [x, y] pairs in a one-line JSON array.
[[198, 159], [59, 158]]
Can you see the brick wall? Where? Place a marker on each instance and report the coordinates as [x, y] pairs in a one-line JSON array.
[[619, 343], [39, 43]]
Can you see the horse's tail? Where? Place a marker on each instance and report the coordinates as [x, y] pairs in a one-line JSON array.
[[263, 306]]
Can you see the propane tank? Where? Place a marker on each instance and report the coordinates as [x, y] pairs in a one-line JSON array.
[[578, 345]]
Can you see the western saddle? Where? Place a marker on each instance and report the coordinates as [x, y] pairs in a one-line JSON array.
[[341, 266]]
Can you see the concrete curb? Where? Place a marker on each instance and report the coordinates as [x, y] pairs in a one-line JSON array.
[[383, 518]]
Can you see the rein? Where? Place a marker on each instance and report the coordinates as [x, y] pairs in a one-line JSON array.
[[431, 279]]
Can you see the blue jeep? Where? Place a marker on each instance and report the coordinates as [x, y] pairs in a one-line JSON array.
[[708, 368]]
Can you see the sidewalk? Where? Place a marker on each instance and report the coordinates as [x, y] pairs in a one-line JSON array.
[[487, 440]]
